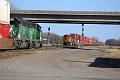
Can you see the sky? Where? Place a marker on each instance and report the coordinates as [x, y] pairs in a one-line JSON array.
[[102, 32]]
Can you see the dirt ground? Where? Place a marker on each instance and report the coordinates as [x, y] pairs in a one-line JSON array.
[[90, 63]]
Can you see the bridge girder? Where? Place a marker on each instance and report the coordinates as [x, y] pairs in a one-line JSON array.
[[70, 17]]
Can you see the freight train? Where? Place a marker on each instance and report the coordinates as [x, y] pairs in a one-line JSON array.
[[18, 33], [76, 40]]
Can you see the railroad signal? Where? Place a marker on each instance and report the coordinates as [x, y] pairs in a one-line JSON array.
[[82, 34], [82, 24], [82, 30], [49, 35], [49, 29]]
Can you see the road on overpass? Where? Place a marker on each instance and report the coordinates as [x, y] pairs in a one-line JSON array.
[[72, 17]]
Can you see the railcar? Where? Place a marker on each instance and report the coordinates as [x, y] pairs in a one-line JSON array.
[[5, 41], [76, 40], [25, 34], [18, 33], [71, 41]]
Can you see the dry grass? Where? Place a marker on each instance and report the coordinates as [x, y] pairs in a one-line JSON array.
[[15, 53], [112, 53], [6, 54]]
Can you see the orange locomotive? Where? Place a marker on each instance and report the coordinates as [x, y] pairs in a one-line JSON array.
[[76, 40], [71, 40]]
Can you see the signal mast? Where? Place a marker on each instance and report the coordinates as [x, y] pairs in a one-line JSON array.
[[82, 29]]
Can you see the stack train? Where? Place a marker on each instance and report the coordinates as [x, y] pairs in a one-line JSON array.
[[18, 33], [76, 40]]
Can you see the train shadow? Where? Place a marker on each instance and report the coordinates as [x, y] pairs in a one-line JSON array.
[[81, 48], [7, 50], [87, 49], [106, 63]]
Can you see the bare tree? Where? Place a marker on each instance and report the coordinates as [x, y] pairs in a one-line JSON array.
[[112, 42], [12, 5], [96, 38], [54, 38]]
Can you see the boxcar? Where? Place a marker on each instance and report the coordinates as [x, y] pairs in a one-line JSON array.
[[5, 41]]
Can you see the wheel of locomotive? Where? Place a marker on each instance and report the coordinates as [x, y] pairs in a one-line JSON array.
[[17, 44], [40, 45], [28, 44], [37, 44], [33, 44]]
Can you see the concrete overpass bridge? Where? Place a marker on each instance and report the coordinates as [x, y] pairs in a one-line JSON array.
[[72, 17]]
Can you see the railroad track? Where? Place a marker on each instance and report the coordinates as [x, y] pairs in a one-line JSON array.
[[32, 49]]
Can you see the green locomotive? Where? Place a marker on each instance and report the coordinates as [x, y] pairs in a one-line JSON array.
[[25, 34]]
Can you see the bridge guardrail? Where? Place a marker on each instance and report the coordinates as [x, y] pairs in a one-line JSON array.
[[64, 12]]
